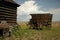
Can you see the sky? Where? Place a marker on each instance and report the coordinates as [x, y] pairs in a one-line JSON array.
[[37, 6]]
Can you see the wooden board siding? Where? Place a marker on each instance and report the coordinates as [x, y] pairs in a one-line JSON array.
[[41, 20]]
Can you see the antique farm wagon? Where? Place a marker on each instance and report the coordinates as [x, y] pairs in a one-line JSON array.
[[8, 14], [39, 21]]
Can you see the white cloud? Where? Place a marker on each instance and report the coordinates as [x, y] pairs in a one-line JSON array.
[[30, 7], [56, 14], [54, 11], [27, 8]]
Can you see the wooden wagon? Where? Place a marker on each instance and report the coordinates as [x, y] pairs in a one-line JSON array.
[[39, 21]]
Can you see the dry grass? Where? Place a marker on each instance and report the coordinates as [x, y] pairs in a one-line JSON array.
[[56, 24], [28, 34], [23, 33]]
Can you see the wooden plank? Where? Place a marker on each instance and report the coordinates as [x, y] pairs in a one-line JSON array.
[[7, 11], [3, 5]]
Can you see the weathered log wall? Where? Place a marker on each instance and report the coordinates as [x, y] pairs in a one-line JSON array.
[[8, 16], [8, 12]]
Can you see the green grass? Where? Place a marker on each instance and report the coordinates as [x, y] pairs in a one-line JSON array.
[[23, 33], [29, 34]]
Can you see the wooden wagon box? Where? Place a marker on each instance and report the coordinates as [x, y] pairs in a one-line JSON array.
[[40, 20]]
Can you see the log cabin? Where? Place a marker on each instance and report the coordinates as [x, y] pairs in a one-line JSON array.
[[8, 11], [8, 14]]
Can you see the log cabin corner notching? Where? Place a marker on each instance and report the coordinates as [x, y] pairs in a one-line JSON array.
[[8, 11], [40, 20]]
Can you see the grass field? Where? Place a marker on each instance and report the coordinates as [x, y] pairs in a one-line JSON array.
[[23, 33]]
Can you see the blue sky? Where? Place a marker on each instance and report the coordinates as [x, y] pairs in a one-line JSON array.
[[51, 6]]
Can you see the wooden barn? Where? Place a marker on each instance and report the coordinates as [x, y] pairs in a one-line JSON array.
[[8, 11], [8, 14], [39, 21]]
